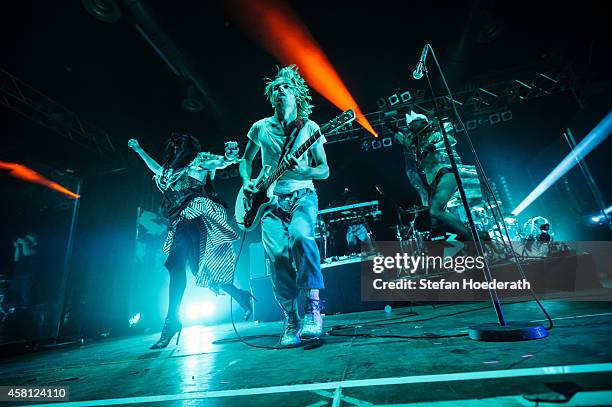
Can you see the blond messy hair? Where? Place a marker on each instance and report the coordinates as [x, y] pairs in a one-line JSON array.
[[298, 86]]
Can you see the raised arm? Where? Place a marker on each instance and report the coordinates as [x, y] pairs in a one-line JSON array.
[[150, 162], [246, 166], [214, 162]]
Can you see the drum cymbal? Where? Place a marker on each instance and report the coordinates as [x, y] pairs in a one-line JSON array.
[[414, 209], [492, 205]]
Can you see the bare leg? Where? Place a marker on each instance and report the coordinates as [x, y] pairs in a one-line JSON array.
[[172, 325], [441, 219]]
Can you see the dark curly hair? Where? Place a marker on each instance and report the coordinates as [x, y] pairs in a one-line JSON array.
[[181, 149]]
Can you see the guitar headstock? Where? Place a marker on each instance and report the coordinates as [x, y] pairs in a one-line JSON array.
[[338, 121]]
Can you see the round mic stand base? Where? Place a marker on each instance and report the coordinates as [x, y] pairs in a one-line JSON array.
[[511, 332]]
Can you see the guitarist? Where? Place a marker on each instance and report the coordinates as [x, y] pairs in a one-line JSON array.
[[288, 226]]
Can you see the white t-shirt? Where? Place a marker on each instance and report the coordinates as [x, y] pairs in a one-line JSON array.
[[269, 136]]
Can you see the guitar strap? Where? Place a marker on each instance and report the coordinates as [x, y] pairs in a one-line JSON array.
[[291, 133]]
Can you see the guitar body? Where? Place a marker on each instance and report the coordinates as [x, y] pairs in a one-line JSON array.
[[248, 212]]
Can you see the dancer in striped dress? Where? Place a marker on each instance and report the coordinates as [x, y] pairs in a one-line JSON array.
[[199, 236]]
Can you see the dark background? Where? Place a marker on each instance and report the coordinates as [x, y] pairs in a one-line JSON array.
[[109, 76]]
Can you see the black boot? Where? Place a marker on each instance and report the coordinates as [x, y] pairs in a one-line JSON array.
[[171, 327]]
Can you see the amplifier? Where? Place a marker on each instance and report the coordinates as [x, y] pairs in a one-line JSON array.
[[265, 309]]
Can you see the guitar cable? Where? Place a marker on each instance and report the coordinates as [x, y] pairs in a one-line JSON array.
[[240, 337]]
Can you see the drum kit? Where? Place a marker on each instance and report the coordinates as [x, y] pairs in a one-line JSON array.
[[486, 219], [414, 228], [412, 234], [333, 224]]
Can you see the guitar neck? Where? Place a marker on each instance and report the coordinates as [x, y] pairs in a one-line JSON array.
[[283, 166]]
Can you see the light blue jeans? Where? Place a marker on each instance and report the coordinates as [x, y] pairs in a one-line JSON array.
[[288, 238]]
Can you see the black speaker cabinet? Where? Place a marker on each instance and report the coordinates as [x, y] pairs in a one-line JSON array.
[[265, 309]]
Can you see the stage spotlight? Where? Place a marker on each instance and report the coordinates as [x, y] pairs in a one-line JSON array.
[[134, 320], [393, 99], [199, 310], [29, 175], [592, 140], [406, 96], [381, 102], [193, 312], [281, 32], [600, 218]]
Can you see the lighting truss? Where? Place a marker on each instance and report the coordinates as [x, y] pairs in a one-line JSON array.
[[39, 108], [491, 99]]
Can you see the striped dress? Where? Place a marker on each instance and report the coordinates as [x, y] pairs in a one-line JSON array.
[[216, 259]]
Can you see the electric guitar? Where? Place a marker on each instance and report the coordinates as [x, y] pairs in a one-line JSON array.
[[249, 210]]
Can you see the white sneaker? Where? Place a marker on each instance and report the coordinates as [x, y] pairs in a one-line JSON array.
[[291, 334], [312, 326]]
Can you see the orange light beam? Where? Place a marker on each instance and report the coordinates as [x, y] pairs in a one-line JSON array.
[[29, 175], [281, 32]]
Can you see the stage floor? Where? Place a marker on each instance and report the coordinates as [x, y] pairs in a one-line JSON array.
[[574, 362]]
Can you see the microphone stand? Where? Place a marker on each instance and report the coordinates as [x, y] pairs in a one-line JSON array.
[[400, 223], [502, 331]]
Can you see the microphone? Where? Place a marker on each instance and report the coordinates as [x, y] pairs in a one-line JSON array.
[[418, 71], [378, 189]]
